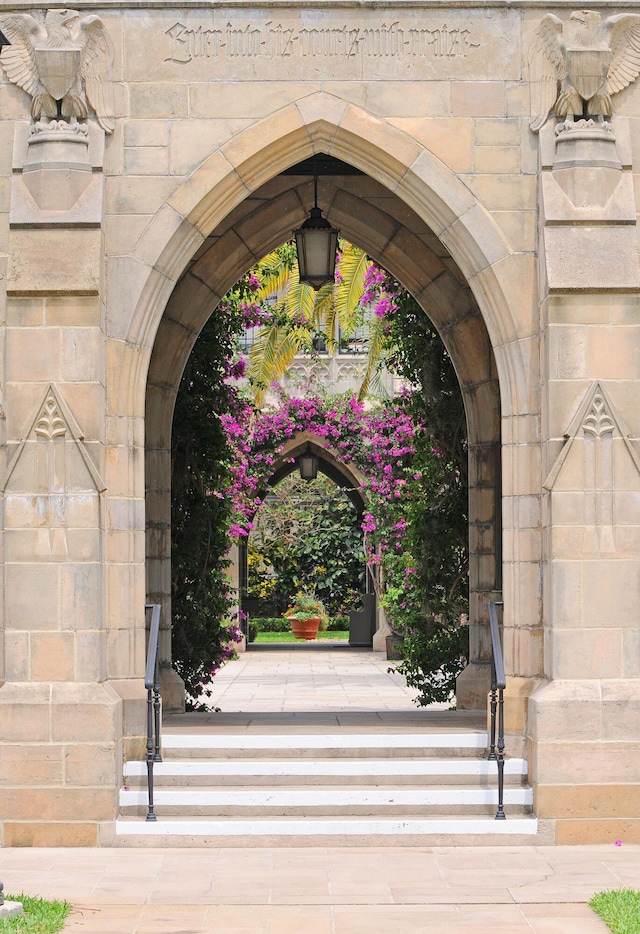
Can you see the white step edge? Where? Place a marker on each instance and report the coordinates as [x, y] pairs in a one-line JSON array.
[[321, 797], [312, 767], [325, 741], [312, 827]]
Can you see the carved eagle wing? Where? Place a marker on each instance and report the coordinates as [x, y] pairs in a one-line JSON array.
[[95, 69], [23, 31], [624, 40], [546, 68]]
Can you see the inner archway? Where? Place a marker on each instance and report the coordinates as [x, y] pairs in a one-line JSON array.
[[307, 536]]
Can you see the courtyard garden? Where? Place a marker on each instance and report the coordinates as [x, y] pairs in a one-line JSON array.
[[233, 419]]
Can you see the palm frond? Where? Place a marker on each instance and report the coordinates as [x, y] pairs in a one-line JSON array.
[[300, 299], [376, 347], [324, 314], [336, 303], [353, 268], [272, 354]]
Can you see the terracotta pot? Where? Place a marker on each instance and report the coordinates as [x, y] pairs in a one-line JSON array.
[[305, 628]]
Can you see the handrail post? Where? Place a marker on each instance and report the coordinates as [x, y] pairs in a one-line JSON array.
[[493, 707], [150, 812], [156, 710], [498, 684], [152, 685], [500, 815]]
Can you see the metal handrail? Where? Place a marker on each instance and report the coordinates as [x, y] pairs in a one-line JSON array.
[[498, 684], [152, 685]]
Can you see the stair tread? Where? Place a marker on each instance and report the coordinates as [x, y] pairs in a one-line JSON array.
[[434, 740], [320, 795], [456, 824], [326, 767]]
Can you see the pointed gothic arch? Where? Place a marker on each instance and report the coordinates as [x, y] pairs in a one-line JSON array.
[[411, 214]]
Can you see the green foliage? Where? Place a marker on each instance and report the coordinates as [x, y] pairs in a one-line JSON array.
[[280, 624], [300, 314], [306, 534], [433, 567], [416, 353], [304, 606], [40, 916], [434, 655], [338, 624], [200, 514], [270, 623], [277, 637], [619, 909]]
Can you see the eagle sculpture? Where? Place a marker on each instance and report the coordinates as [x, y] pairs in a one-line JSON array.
[[63, 62], [575, 70]]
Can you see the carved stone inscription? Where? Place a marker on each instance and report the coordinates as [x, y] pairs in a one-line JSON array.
[[299, 43], [274, 40]]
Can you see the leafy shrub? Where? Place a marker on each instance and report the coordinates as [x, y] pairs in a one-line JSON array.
[[338, 624], [279, 624], [270, 623]]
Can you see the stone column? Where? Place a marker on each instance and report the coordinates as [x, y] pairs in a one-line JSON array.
[[585, 720], [71, 706]]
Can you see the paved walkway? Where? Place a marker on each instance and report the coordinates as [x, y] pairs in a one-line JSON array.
[[323, 890], [444, 890], [310, 678]]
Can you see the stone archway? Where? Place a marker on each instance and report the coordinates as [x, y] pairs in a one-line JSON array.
[[344, 475], [412, 216], [529, 277]]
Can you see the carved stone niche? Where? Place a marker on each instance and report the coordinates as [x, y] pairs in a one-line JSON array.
[[57, 169], [586, 164]]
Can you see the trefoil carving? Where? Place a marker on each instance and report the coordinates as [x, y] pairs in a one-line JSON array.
[[51, 424], [598, 421]]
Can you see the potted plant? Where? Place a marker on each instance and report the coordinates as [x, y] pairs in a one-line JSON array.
[[306, 616]]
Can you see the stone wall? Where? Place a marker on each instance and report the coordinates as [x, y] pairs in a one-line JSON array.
[[115, 247]]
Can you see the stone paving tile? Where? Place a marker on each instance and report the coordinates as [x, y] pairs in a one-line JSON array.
[[564, 919], [430, 919], [295, 680], [465, 890], [103, 919]]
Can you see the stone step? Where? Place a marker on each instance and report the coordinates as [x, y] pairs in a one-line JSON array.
[[312, 788], [458, 830], [331, 771], [314, 745], [326, 802]]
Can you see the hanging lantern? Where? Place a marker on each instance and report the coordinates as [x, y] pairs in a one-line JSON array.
[[316, 245], [308, 465]]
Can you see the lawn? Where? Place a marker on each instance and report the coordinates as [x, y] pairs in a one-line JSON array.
[[288, 636], [619, 909], [40, 917]]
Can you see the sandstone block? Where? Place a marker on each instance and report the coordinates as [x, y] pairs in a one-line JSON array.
[[63, 833], [59, 261], [25, 764], [477, 99], [52, 656]]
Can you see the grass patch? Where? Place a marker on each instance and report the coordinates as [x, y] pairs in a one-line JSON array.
[[619, 909], [288, 636], [40, 916]]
